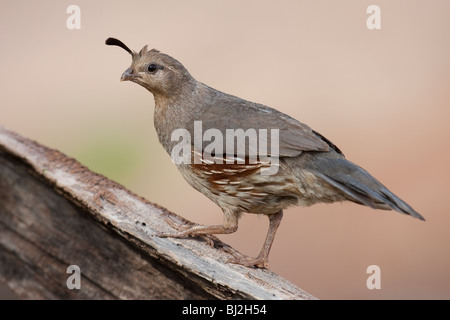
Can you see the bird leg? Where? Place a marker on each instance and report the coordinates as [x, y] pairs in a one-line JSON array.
[[178, 226], [230, 225], [198, 230], [262, 260]]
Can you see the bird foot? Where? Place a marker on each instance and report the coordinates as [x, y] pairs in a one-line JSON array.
[[178, 226], [258, 262], [187, 230], [261, 261]]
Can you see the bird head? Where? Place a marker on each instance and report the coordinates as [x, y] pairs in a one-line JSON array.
[[159, 73]]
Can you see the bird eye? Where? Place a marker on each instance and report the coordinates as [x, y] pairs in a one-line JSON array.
[[152, 68]]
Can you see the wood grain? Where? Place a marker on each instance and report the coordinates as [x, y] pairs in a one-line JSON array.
[[54, 212]]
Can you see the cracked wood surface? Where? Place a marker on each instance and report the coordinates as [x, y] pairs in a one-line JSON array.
[[54, 212]]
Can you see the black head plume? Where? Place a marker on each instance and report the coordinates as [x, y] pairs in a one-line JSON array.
[[116, 42]]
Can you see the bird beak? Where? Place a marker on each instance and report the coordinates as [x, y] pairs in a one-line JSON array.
[[129, 74]]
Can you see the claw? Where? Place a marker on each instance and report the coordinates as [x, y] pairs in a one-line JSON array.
[[250, 262], [186, 233], [178, 226], [238, 258]]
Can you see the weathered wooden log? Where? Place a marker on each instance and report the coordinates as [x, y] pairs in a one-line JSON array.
[[54, 213]]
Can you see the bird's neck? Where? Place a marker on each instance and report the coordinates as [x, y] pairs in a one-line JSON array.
[[175, 112]]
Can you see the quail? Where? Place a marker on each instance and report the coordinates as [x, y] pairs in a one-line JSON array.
[[309, 169]]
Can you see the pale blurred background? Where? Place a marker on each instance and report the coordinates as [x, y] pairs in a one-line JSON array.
[[381, 95]]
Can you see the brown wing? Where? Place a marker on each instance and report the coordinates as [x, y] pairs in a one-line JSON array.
[[224, 112], [240, 186]]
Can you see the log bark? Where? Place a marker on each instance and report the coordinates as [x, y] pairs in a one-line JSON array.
[[55, 213]]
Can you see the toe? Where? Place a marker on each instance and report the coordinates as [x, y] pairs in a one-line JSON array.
[[171, 234], [250, 262]]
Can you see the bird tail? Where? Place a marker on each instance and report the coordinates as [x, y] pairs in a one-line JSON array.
[[359, 186]]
